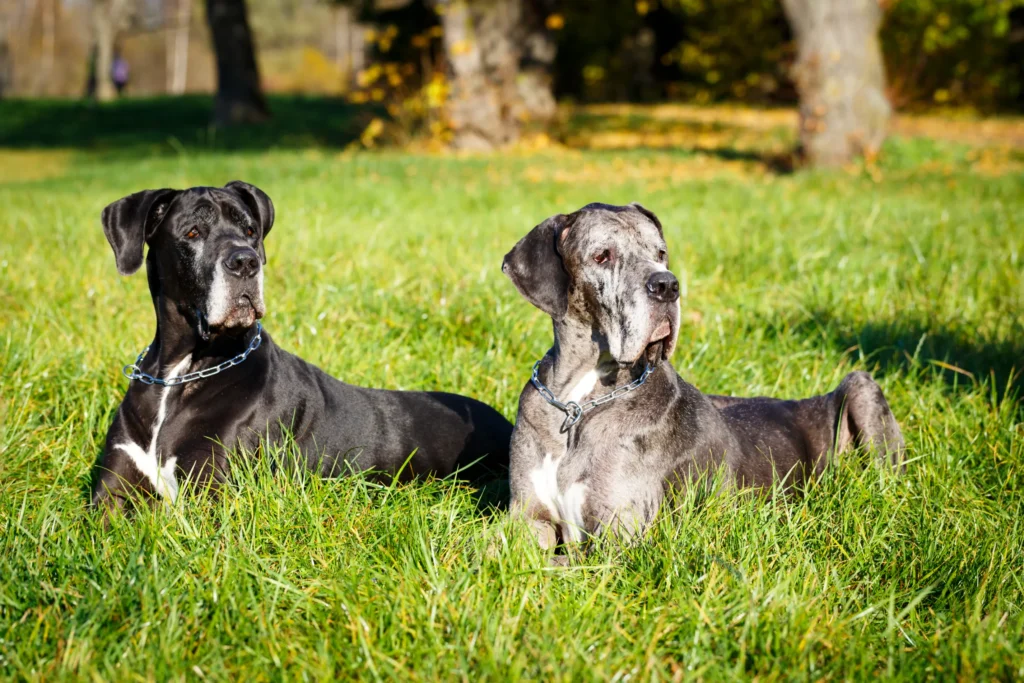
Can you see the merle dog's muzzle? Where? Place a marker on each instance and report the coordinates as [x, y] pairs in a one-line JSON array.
[[663, 296]]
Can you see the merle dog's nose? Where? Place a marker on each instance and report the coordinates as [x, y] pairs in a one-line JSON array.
[[663, 286], [243, 262]]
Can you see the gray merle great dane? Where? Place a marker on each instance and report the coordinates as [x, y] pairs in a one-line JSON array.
[[213, 379], [606, 426]]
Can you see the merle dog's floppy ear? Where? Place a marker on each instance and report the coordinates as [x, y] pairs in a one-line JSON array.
[[129, 222], [535, 267], [649, 214], [257, 201]]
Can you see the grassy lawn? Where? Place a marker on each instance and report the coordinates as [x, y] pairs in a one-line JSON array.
[[384, 269]]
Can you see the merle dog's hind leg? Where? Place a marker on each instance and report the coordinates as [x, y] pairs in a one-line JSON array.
[[865, 419]]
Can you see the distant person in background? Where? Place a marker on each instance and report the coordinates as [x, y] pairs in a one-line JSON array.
[[119, 72]]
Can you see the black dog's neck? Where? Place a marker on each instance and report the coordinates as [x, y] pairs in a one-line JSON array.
[[180, 334]]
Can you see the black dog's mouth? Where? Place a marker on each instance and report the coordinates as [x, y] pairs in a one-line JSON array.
[[246, 303], [244, 313], [245, 310]]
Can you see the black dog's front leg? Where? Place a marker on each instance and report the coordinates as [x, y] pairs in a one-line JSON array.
[[118, 485]]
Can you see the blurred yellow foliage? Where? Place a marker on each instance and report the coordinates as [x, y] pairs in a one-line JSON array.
[[371, 133], [413, 93], [306, 70], [555, 22]]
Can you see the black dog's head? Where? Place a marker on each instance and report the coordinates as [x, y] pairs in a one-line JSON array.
[[606, 266], [205, 249]]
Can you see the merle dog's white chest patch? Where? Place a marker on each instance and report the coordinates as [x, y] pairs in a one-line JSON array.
[[147, 460], [566, 507]]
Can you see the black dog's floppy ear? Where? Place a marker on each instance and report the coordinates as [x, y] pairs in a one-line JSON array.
[[649, 214], [129, 222], [257, 201], [536, 269]]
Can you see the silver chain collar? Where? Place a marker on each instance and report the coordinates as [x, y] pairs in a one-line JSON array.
[[133, 371], [573, 410]]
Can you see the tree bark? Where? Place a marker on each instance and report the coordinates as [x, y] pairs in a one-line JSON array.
[[239, 95], [483, 56], [840, 78]]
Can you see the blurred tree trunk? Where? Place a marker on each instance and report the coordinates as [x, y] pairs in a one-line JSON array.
[[239, 95], [6, 67], [536, 62], [109, 18], [49, 43], [500, 55], [840, 77], [479, 40], [179, 21]]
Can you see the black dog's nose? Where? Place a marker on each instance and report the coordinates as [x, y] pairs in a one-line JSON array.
[[663, 286], [243, 262]]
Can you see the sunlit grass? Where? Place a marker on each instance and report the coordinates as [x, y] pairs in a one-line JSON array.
[[385, 270]]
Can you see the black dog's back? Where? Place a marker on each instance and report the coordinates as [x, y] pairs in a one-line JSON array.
[[485, 455], [410, 433]]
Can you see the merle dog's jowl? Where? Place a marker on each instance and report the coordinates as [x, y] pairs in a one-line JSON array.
[[205, 269], [602, 275]]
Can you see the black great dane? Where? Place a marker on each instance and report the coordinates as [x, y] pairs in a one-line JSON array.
[[213, 379], [606, 425]]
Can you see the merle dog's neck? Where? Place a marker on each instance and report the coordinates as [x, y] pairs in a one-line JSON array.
[[580, 349], [179, 336]]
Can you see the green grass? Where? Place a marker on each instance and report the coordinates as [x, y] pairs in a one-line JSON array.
[[384, 270]]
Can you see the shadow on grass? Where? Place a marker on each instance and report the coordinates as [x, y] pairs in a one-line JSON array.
[[722, 140], [910, 345], [170, 124]]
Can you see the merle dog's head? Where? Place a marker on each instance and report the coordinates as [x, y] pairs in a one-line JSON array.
[[606, 266], [205, 250]]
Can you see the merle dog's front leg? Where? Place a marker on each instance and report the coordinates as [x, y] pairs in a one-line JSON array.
[[524, 458]]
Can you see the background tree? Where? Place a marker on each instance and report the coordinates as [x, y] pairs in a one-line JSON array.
[[239, 93], [840, 78], [6, 63], [479, 40], [537, 52], [487, 43], [109, 19], [178, 19]]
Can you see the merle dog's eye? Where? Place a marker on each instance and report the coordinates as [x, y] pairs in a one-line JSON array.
[[250, 232], [192, 234], [662, 255], [603, 257]]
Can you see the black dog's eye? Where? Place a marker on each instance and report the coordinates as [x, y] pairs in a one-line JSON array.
[[603, 257], [250, 232], [192, 234]]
